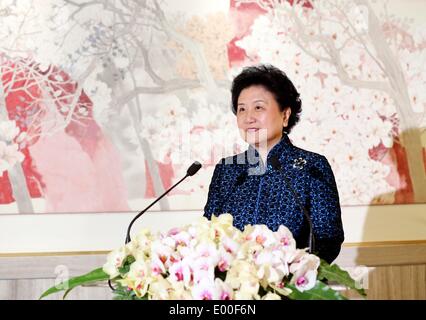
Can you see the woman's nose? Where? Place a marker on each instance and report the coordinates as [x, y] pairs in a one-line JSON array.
[[250, 118]]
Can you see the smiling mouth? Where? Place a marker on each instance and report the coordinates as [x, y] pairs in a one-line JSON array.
[[252, 129]]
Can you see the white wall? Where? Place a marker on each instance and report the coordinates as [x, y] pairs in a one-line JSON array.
[[39, 233]]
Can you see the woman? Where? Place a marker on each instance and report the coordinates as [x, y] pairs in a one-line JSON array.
[[273, 182]]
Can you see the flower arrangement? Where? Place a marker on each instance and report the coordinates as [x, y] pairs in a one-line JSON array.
[[214, 260]]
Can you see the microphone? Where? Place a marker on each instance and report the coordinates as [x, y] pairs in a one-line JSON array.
[[193, 169], [277, 166]]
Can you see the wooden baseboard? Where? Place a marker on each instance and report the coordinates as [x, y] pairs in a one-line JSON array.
[[394, 270]]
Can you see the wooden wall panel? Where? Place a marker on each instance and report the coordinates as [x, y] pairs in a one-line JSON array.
[[394, 271], [31, 289], [398, 282]]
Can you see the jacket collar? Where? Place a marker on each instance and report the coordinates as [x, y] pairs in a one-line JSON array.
[[255, 162]]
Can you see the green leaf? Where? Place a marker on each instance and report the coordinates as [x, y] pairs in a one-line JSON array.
[[320, 292], [335, 273], [122, 293], [125, 266], [89, 278]]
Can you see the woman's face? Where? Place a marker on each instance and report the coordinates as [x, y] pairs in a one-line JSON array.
[[259, 117]]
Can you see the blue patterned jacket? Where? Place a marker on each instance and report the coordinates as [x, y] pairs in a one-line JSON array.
[[255, 194]]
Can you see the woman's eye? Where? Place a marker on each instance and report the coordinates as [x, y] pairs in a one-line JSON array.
[[240, 109], [259, 107]]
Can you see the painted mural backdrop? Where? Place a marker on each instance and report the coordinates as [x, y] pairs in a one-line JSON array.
[[104, 104]]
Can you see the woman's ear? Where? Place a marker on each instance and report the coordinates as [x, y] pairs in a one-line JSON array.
[[286, 116]]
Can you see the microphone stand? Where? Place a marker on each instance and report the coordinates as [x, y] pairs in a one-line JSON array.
[[193, 169], [128, 239]]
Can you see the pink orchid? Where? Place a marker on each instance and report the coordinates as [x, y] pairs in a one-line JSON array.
[[261, 234], [206, 289], [304, 280], [180, 272], [285, 237]]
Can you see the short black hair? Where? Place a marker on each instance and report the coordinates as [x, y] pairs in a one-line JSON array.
[[276, 82]]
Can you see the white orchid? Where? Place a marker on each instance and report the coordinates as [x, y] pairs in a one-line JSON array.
[[271, 267], [138, 278], [225, 259], [225, 290], [144, 238], [178, 291], [222, 225], [285, 238], [182, 263], [231, 245], [248, 290], [205, 289], [180, 271], [191, 263], [115, 260], [271, 296], [304, 280], [207, 250], [260, 234], [306, 261], [305, 272], [160, 250], [203, 268], [242, 276], [159, 289]]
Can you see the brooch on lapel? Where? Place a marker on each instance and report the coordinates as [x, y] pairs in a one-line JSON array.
[[299, 163]]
